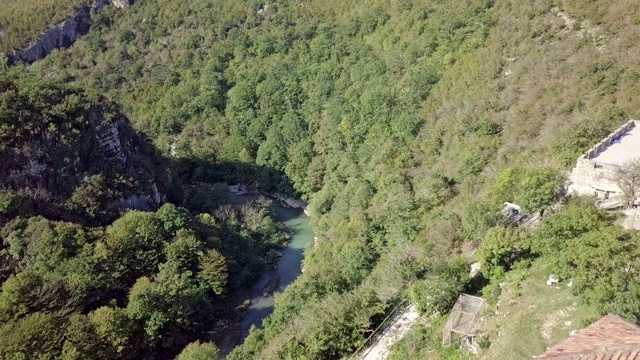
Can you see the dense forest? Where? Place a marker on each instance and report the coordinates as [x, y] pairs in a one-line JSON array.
[[405, 124]]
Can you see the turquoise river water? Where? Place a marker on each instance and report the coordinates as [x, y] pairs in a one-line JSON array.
[[289, 265]]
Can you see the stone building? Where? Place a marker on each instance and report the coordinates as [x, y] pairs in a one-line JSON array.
[[595, 169]]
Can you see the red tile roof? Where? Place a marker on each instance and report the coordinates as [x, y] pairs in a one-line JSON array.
[[610, 338]]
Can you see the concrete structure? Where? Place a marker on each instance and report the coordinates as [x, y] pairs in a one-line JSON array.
[[596, 168]]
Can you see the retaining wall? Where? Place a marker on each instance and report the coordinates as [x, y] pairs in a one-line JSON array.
[[589, 174]]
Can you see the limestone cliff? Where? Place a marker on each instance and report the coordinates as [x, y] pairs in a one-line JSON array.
[[63, 34], [121, 4], [68, 157]]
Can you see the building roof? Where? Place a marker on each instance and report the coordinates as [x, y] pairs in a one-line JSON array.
[[623, 148], [610, 338]]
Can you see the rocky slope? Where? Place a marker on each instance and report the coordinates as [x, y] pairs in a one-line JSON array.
[[63, 34], [69, 157]]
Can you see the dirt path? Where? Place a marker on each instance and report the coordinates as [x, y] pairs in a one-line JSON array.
[[400, 326]]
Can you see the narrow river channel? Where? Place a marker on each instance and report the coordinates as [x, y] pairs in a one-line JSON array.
[[289, 265]]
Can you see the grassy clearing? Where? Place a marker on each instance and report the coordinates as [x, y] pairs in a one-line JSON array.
[[531, 316]]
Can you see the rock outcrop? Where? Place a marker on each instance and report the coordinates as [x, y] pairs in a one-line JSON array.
[[82, 162], [121, 4], [63, 34]]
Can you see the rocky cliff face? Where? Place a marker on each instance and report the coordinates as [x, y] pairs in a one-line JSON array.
[[62, 35], [121, 4], [68, 157], [105, 162]]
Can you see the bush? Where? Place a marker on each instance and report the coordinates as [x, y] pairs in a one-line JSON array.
[[199, 351], [538, 188], [497, 251], [8, 202], [533, 189], [483, 342], [438, 292]]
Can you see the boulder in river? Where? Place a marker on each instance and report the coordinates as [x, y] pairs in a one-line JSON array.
[[271, 286]]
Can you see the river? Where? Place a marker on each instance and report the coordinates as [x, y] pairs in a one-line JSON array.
[[289, 265]]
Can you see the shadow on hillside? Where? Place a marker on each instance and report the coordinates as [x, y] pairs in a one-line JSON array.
[[193, 170], [83, 172]]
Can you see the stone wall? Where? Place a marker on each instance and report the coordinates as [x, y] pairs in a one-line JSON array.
[[604, 143], [590, 175]]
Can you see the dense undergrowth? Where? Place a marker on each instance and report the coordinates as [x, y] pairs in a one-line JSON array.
[[405, 124]]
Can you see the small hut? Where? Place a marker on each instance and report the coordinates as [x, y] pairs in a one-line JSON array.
[[462, 320]]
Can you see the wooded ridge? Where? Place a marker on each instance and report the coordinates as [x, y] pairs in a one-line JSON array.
[[404, 124]]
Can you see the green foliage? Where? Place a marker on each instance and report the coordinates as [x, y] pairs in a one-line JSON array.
[[214, 271], [24, 21], [72, 154], [8, 202], [585, 247], [199, 351], [67, 270], [388, 117], [173, 218], [425, 342], [42, 245], [438, 292], [602, 265], [497, 251], [538, 188], [36, 336], [578, 217], [328, 329], [15, 300], [113, 327], [578, 138], [147, 304], [534, 189], [82, 340], [134, 245], [90, 196], [478, 218]]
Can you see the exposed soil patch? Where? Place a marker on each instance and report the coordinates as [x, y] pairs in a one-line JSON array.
[[552, 320]]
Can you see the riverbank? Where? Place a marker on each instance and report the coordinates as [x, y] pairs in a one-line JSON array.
[[292, 213], [288, 267]]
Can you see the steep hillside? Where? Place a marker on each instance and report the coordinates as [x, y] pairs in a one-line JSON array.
[[68, 154], [406, 124], [23, 21], [83, 274]]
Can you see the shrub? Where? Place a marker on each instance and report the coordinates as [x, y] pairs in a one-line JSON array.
[[497, 251], [438, 292], [8, 202]]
